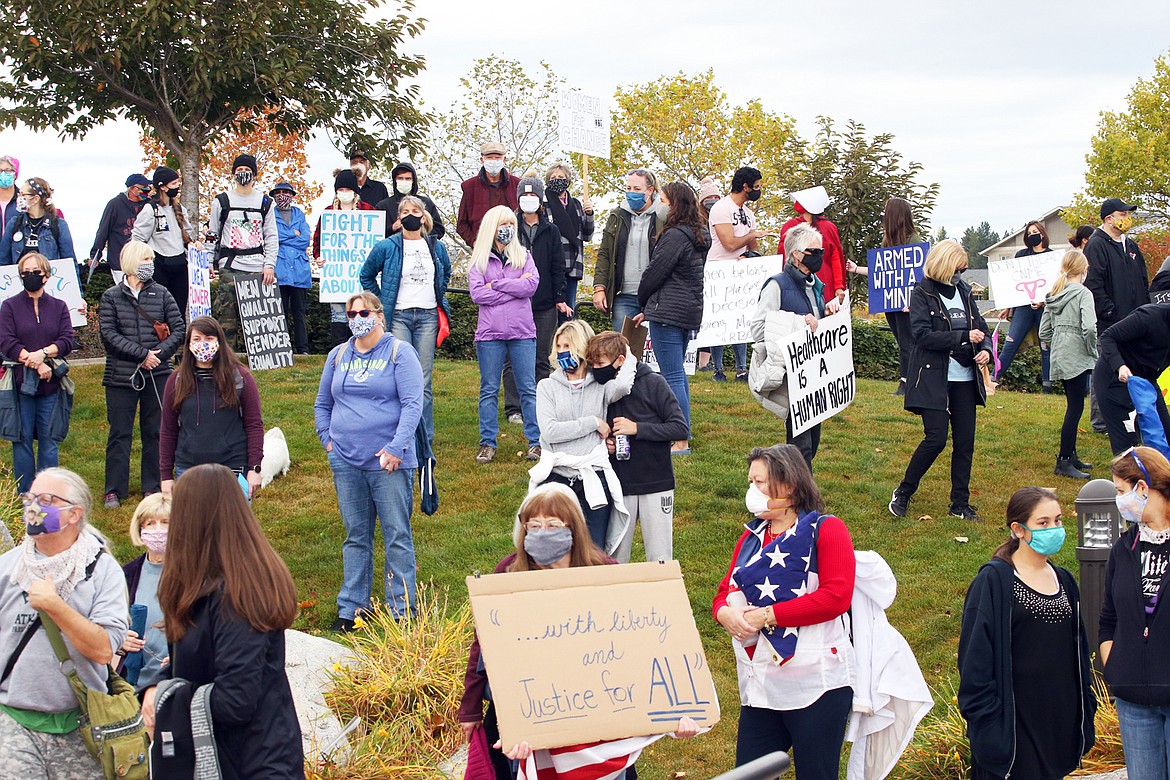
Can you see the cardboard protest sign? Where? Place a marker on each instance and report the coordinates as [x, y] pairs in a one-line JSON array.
[[347, 236], [643, 348], [62, 284], [198, 283], [821, 381], [591, 653], [262, 323], [893, 272], [583, 123], [1018, 281], [731, 290]]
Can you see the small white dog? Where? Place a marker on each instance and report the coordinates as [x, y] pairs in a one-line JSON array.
[[276, 460]]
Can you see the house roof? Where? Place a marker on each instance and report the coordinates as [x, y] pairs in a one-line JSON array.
[[1011, 237]]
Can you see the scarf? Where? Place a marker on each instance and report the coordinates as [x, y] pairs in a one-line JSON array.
[[66, 568], [567, 220]]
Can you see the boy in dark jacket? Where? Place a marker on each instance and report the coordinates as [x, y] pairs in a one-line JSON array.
[[643, 423]]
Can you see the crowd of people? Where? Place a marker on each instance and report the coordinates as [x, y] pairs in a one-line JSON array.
[[209, 598]]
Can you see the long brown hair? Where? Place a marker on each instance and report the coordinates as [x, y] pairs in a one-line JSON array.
[[1154, 469], [897, 223], [684, 210], [1019, 509], [224, 366], [1040, 229], [786, 466], [214, 541], [556, 500]]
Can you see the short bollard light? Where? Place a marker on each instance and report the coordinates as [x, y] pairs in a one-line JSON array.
[[1099, 525]]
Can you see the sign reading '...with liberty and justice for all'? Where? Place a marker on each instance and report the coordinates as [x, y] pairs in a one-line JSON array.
[[347, 236]]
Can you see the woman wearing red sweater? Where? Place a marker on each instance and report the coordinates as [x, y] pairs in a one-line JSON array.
[[810, 208], [783, 602]]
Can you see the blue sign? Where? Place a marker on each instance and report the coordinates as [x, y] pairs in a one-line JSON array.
[[893, 272]]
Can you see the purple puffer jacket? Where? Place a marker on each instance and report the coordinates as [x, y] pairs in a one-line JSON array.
[[505, 311]]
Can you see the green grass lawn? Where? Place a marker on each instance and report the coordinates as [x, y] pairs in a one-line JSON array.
[[863, 453]]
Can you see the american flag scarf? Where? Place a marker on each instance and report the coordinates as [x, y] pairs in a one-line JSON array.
[[776, 572], [593, 761]]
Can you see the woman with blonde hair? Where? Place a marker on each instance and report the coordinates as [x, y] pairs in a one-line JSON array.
[[943, 386], [1068, 330], [502, 280], [149, 528]]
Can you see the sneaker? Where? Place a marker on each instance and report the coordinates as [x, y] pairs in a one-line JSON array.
[[966, 512], [111, 501], [342, 625], [486, 453], [533, 453], [899, 502], [516, 418], [741, 376], [719, 376]]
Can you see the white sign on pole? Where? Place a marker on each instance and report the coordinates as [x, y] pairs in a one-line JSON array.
[[198, 283], [731, 290], [583, 123], [62, 284], [1018, 281], [821, 381], [347, 236]]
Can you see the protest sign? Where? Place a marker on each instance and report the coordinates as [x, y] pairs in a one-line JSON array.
[[591, 653], [347, 236], [198, 283], [893, 272], [1162, 296], [62, 284], [1018, 281], [821, 381], [731, 290], [263, 323], [583, 123]]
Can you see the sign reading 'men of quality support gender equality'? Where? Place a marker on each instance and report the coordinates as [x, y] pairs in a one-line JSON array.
[[893, 272], [591, 653], [347, 236], [821, 381]]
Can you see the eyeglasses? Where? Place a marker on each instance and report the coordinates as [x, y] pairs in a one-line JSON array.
[[359, 313], [1138, 461], [536, 525], [43, 499]]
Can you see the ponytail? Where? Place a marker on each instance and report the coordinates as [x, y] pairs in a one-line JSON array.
[[1019, 509]]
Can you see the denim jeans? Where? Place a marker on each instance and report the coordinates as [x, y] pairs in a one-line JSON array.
[[363, 498], [624, 305], [1145, 738], [522, 353], [419, 328], [1024, 318], [36, 412], [814, 733], [740, 352], [670, 346]]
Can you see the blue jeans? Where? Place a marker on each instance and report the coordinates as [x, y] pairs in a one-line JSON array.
[[419, 328], [522, 353], [36, 412], [670, 346], [363, 498], [740, 352], [624, 305], [1145, 737], [1024, 318]]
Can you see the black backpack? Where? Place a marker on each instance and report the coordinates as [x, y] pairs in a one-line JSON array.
[[226, 207]]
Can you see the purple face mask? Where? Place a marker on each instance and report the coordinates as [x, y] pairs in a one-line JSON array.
[[40, 519]]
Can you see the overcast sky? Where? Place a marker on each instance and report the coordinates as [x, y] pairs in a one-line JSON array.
[[998, 100]]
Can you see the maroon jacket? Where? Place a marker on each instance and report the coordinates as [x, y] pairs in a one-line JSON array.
[[203, 430], [479, 195]]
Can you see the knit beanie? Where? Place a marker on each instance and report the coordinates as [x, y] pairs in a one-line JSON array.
[[531, 185], [164, 175], [708, 189], [245, 160], [346, 180]]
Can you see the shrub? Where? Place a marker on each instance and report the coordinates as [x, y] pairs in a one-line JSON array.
[[875, 352]]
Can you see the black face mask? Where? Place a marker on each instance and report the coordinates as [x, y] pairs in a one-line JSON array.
[[172, 192], [754, 194], [557, 185], [1034, 240], [411, 222], [32, 280], [605, 374], [813, 259]]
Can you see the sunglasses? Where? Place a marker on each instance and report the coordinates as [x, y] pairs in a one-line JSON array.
[[359, 313]]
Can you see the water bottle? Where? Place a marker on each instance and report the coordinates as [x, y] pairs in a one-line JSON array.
[[621, 446]]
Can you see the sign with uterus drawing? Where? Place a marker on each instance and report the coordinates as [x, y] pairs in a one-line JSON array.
[[1019, 281]]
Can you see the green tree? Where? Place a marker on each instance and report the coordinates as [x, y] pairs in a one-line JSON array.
[[1130, 154], [976, 240], [185, 69], [941, 235]]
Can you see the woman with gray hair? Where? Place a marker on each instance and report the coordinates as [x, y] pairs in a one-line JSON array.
[[574, 220], [61, 573], [789, 301]]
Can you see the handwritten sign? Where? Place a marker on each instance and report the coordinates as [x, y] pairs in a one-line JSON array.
[[1018, 281], [821, 381], [591, 653], [1162, 296], [893, 272], [198, 283], [263, 323], [62, 284], [583, 123], [347, 236], [731, 290]]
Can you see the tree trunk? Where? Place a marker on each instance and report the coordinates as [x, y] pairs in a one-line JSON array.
[[189, 167]]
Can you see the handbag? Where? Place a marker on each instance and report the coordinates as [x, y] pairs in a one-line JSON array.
[[444, 327], [10, 425], [111, 721], [161, 329]]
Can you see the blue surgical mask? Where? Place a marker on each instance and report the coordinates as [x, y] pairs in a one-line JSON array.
[[1131, 505], [1047, 541], [567, 361], [637, 200], [7, 179], [505, 234]]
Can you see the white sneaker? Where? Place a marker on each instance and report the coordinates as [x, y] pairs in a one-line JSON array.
[[517, 419]]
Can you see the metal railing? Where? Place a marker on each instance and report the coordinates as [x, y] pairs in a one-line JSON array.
[[768, 767]]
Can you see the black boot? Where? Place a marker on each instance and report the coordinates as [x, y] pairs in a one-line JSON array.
[[901, 388], [1080, 464], [1065, 468]]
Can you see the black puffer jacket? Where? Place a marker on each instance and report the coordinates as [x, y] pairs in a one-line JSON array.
[[935, 340], [671, 290], [128, 336]]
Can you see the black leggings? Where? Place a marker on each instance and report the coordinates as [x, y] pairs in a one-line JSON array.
[[1074, 399], [814, 734], [171, 273], [962, 400]]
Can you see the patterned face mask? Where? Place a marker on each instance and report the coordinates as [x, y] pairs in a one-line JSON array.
[[283, 199], [361, 326], [204, 351]]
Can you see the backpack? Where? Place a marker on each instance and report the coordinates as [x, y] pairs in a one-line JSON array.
[[225, 207]]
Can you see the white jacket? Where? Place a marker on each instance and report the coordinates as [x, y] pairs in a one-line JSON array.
[[767, 374], [586, 467], [890, 695]]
